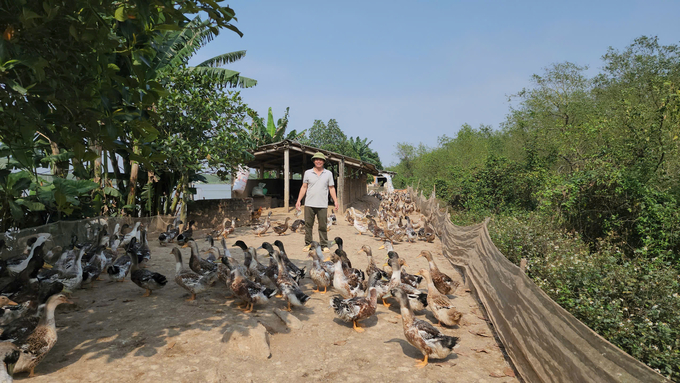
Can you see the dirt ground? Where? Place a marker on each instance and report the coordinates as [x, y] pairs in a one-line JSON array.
[[112, 333]]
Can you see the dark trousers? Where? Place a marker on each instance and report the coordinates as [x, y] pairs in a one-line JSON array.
[[310, 214]]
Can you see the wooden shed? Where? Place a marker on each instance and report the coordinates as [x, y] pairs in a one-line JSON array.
[[288, 158]]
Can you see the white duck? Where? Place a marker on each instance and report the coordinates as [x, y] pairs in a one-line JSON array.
[[132, 234], [18, 267]]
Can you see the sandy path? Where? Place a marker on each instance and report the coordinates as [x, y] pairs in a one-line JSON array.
[[115, 334]]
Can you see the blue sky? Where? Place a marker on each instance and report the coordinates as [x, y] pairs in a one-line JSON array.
[[399, 71]]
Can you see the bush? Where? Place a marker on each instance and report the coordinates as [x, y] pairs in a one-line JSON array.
[[633, 302], [608, 202]]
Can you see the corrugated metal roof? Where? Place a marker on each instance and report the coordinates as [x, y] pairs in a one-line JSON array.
[[270, 156]]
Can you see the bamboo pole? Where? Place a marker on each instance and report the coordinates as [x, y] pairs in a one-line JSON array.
[[286, 178]]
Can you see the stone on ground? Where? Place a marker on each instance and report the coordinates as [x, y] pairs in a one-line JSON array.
[[247, 341]]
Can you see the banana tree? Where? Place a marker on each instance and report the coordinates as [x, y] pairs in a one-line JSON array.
[[176, 48], [260, 133], [360, 149]]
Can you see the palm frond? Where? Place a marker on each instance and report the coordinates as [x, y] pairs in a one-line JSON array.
[[193, 39], [178, 46], [246, 82], [295, 136], [222, 59], [223, 77]]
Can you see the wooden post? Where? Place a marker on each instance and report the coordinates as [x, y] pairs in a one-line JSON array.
[[340, 189], [286, 178]]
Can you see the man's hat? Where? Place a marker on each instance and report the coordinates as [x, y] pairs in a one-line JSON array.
[[319, 155]]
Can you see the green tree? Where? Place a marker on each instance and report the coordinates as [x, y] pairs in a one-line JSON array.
[[327, 136], [72, 70], [200, 128], [559, 105], [174, 49], [79, 86]]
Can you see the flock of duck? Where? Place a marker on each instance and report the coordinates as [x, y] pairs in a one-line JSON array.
[[34, 282]]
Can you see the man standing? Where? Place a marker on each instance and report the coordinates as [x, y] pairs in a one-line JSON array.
[[316, 184]]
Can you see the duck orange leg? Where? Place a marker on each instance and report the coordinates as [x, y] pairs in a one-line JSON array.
[[193, 297], [325, 290], [357, 327], [423, 363], [385, 303], [147, 293]]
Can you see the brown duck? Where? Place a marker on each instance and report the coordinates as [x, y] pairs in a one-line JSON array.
[[442, 282], [422, 335], [280, 229], [440, 305], [42, 339]]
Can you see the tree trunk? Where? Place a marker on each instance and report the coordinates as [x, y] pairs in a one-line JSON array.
[[175, 199], [134, 171], [150, 181], [59, 168], [185, 199], [157, 197], [97, 164]]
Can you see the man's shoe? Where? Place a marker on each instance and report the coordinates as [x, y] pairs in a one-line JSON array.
[[306, 248], [326, 250]]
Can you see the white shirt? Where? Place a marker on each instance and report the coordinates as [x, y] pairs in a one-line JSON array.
[[317, 187]]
